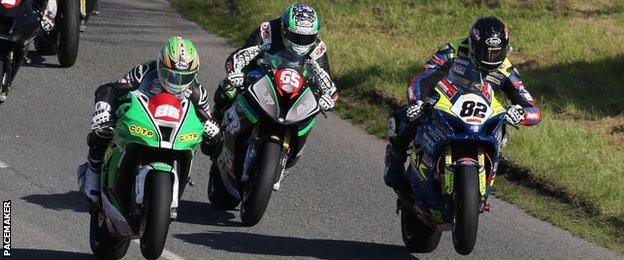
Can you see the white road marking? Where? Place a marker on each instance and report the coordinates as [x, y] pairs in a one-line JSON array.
[[3, 165], [166, 254]]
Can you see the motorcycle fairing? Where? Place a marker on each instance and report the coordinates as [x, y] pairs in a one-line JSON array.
[[433, 140], [18, 24]]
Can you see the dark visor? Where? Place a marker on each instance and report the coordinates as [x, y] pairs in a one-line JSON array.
[[491, 56], [300, 39]]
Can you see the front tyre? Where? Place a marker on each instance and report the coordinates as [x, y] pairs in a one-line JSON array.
[[217, 193], [418, 237], [466, 185], [157, 214], [103, 245], [69, 30], [256, 196]]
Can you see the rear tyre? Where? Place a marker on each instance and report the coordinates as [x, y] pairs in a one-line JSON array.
[[217, 193], [69, 32], [256, 196], [418, 237], [157, 214], [103, 245], [466, 185]]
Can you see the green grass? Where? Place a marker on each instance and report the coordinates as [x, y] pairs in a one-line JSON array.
[[569, 52]]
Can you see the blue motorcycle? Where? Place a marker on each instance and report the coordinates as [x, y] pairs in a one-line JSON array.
[[452, 166]]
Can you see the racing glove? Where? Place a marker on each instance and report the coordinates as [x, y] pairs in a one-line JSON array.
[[211, 129], [515, 114], [101, 123], [239, 60], [326, 103], [414, 111], [48, 15]]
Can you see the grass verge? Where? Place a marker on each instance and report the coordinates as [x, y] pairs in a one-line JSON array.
[[569, 169]]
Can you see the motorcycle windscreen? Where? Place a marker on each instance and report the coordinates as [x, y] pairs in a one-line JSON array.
[[263, 92], [303, 108]]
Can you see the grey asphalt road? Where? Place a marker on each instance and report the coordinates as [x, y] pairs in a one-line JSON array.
[[334, 205]]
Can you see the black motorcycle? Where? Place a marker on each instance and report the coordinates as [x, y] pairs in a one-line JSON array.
[[19, 26], [257, 132]]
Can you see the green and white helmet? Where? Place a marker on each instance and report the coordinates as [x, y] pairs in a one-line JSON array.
[[300, 27], [177, 64]]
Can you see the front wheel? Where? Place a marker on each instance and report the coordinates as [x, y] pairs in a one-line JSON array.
[[69, 31], [418, 237], [103, 245], [256, 196], [217, 193], [466, 185], [157, 214]]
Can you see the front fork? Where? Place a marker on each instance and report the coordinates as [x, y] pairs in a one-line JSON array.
[[449, 171], [252, 152]]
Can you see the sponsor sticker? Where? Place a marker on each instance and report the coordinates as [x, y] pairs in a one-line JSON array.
[[493, 41], [189, 137], [142, 131], [459, 69]]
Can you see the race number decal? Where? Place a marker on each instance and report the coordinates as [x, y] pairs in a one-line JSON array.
[[290, 81], [472, 108], [167, 111]]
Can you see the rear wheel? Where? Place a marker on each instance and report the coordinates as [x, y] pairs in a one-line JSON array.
[[256, 196], [418, 237], [157, 214], [466, 185], [103, 245], [217, 193], [69, 32]]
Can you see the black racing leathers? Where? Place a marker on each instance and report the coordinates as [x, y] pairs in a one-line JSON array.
[[143, 76], [268, 39]]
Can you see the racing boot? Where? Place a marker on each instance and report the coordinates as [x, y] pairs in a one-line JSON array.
[[89, 183], [394, 172]]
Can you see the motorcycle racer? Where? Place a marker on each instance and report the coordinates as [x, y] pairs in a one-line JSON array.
[[174, 72], [486, 50], [295, 32]]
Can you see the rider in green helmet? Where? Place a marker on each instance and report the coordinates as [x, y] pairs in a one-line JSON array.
[[175, 72], [295, 32]]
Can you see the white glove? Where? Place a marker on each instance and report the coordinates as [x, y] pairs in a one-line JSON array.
[[515, 114], [236, 79], [326, 102], [211, 128], [48, 16], [414, 111], [101, 122], [321, 76]]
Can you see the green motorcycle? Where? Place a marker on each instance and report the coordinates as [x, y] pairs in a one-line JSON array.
[[144, 173]]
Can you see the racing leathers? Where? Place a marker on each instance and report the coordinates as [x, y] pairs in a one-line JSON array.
[[452, 61], [109, 97], [268, 39]]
